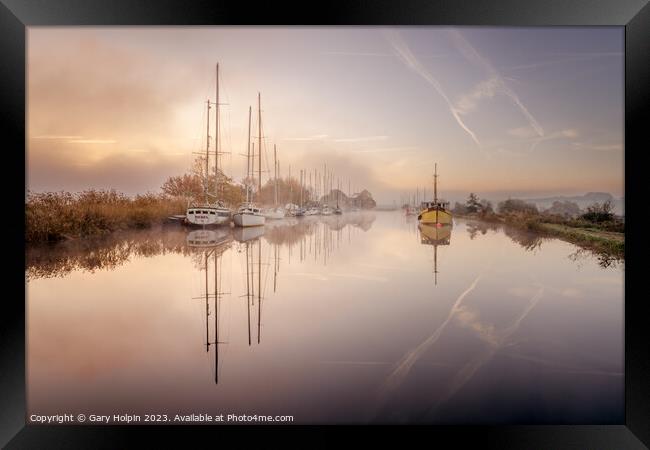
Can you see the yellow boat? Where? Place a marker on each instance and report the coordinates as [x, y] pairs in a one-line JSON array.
[[435, 212]]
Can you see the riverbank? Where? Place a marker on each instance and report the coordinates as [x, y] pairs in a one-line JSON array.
[[56, 216], [596, 237]]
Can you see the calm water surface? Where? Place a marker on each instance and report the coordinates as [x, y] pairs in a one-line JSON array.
[[362, 318]]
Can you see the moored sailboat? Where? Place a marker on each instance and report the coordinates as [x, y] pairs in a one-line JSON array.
[[248, 214], [436, 212], [206, 213]]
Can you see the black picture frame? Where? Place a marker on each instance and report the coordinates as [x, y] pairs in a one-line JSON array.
[[634, 15]]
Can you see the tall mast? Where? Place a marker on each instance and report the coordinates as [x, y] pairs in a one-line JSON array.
[[259, 143], [216, 138], [248, 158], [275, 175], [435, 183], [207, 154]]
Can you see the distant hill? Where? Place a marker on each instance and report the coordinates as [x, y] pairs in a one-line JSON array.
[[581, 200]]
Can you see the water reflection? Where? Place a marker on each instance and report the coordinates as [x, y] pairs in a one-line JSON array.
[[435, 236], [343, 317], [314, 236]]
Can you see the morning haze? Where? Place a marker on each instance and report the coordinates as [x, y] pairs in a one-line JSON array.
[[513, 111]]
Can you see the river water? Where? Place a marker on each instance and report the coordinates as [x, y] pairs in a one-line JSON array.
[[360, 318]]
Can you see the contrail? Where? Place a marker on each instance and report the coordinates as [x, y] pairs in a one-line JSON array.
[[411, 357], [411, 61], [494, 345], [473, 56]]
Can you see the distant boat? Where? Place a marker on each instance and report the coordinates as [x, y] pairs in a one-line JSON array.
[[277, 212], [326, 210], [313, 211], [338, 210], [248, 214], [435, 212], [206, 213]]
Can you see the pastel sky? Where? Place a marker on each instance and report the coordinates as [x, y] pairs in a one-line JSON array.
[[503, 111]]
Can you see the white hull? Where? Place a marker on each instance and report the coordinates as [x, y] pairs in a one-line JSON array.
[[206, 215], [248, 220]]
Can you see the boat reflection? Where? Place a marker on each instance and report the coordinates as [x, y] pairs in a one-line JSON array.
[[207, 238], [435, 235]]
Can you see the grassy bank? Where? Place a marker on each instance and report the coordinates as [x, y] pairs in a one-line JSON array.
[[54, 216], [606, 238]]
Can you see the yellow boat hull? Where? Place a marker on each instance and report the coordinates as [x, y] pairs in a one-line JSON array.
[[431, 215]]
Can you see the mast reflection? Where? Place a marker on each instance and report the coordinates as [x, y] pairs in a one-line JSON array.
[[435, 235]]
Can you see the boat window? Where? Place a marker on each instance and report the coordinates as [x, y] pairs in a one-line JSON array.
[[190, 212], [212, 212], [204, 212]]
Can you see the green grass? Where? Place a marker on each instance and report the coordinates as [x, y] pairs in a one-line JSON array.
[[609, 242]]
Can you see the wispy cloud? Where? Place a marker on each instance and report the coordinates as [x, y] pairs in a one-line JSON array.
[[412, 62], [389, 55], [496, 81], [566, 58], [599, 147], [358, 54], [91, 141], [56, 136], [522, 132], [386, 149], [362, 139], [485, 89], [316, 137]]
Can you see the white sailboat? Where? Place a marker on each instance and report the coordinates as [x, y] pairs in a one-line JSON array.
[[206, 213], [248, 214], [277, 212]]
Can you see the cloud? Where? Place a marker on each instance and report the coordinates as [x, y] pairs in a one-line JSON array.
[[362, 139], [522, 132], [484, 89], [316, 137], [386, 149], [408, 58], [570, 57], [55, 137], [599, 147], [91, 141], [495, 80]]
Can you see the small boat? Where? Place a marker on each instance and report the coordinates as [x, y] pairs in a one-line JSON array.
[[436, 212], [277, 212], [249, 215], [338, 210], [313, 211], [326, 211], [300, 212]]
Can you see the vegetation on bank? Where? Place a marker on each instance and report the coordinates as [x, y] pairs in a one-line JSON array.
[[597, 228], [53, 216]]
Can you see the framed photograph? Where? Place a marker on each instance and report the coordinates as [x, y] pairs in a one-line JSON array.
[[244, 217]]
